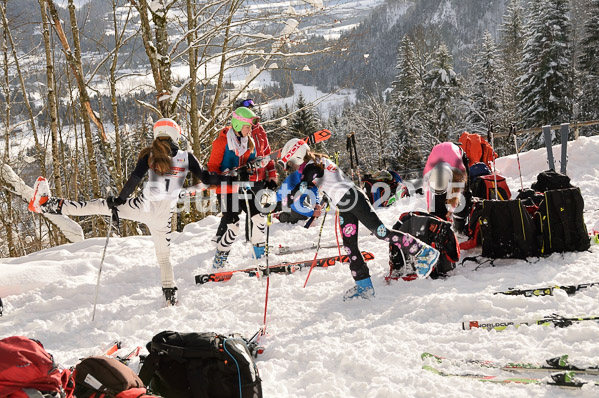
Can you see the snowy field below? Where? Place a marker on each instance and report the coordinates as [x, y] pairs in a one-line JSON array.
[[317, 345]]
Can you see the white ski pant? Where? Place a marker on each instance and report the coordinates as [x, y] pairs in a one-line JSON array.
[[156, 214]]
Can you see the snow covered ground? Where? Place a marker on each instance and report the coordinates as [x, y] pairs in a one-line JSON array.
[[318, 345]]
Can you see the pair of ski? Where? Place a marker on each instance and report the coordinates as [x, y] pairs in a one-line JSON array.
[[111, 349], [563, 376], [564, 131], [551, 320], [312, 246], [284, 268], [548, 290]]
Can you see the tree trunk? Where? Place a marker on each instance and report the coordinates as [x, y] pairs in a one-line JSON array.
[[52, 100]]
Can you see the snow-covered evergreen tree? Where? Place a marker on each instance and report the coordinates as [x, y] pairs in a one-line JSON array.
[[545, 78], [484, 91], [589, 65], [511, 46], [406, 100], [305, 121], [441, 93]]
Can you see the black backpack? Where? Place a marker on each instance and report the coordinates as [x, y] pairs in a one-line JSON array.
[[433, 231], [551, 179], [504, 229], [561, 223], [200, 365]]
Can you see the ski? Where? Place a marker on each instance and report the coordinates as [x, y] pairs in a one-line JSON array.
[[285, 268], [314, 138], [547, 135], [554, 319], [555, 364], [127, 358], [294, 249], [548, 290], [254, 342], [564, 131], [563, 379], [109, 348]]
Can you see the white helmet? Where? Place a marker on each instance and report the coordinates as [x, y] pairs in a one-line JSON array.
[[167, 128], [294, 152], [439, 177]]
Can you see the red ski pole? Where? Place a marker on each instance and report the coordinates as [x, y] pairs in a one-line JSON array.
[[317, 247]]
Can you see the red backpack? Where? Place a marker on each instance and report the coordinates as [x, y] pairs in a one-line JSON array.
[[26, 365], [477, 149]]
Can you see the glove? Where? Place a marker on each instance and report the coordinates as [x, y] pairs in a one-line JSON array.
[[244, 175], [114, 201], [317, 211], [270, 184]]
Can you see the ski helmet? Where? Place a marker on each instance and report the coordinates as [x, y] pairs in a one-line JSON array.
[[294, 152], [243, 116], [440, 177], [167, 128]]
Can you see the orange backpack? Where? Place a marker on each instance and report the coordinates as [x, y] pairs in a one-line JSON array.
[[477, 149]]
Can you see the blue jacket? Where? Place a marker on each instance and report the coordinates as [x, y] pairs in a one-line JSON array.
[[298, 205]]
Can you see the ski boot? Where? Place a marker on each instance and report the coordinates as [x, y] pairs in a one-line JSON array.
[[41, 192], [220, 259], [362, 289], [425, 261], [42, 202], [170, 295], [259, 251]]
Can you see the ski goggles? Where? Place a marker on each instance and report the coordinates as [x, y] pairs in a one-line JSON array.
[[252, 121], [248, 103]]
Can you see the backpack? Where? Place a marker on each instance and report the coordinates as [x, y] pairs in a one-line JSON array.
[[27, 369], [504, 229], [551, 179], [561, 223], [198, 365], [106, 377], [484, 187], [381, 187], [433, 231], [477, 149], [530, 199], [478, 169]]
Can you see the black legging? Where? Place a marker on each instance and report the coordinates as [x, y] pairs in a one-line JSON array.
[[353, 207], [228, 218]]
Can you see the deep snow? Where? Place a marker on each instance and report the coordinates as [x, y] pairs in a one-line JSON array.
[[319, 346]]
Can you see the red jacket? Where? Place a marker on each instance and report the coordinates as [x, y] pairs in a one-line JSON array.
[[222, 158], [268, 172]]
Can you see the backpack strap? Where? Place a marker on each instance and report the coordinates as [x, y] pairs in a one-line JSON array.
[[146, 373]]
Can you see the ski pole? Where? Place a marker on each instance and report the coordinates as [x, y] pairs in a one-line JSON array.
[[267, 271], [518, 159], [353, 140], [493, 156], [351, 155], [247, 216], [113, 216], [317, 248]]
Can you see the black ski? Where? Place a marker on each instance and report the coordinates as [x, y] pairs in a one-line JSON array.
[[551, 320], [285, 268], [564, 131], [547, 135], [548, 290]]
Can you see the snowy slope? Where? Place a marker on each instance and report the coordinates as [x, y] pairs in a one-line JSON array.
[[319, 346]]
